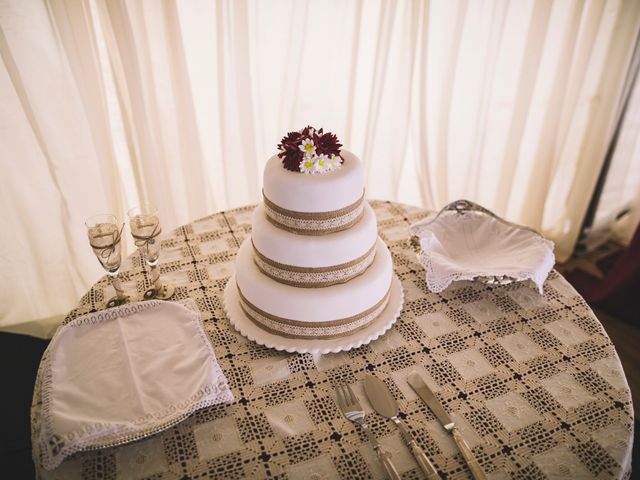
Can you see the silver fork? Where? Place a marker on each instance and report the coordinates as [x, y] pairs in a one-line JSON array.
[[351, 408]]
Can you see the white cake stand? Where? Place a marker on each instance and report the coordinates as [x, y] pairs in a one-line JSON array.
[[373, 330]]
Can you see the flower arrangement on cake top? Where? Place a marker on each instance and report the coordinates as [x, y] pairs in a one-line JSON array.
[[310, 151]]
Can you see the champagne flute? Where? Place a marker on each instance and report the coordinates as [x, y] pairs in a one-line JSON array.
[[145, 229], [104, 237]]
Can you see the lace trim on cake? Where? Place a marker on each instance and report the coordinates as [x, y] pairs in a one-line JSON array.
[[298, 329], [308, 277], [314, 223]]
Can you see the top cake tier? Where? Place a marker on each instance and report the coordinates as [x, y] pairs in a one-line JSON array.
[[293, 192]]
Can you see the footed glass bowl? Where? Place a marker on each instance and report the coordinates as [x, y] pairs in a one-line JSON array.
[[465, 241]]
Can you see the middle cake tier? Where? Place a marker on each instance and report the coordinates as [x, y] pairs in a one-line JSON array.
[[313, 312], [313, 261]]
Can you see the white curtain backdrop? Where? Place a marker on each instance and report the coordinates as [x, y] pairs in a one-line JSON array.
[[618, 212], [107, 103]]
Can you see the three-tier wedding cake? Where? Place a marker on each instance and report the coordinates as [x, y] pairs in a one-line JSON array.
[[314, 266]]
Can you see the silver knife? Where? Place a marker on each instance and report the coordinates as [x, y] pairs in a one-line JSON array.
[[383, 402], [425, 393]]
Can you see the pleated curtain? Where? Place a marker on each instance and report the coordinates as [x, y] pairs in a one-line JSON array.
[[109, 103]]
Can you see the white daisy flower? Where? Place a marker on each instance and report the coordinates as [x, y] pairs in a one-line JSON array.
[[322, 164], [307, 166], [334, 162], [307, 147]]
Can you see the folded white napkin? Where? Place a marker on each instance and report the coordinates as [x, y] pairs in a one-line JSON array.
[[125, 373], [463, 246]]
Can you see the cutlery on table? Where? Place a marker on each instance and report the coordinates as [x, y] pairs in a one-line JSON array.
[[351, 408], [383, 402], [427, 395]]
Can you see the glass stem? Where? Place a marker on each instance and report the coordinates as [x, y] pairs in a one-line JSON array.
[[117, 285], [155, 277]]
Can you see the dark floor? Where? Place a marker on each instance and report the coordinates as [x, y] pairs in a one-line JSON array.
[[20, 356], [19, 359]]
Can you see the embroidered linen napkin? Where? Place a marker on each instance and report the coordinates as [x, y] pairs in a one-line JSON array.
[[473, 244], [125, 373]]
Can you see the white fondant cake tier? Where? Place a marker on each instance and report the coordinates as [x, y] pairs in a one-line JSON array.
[[313, 305], [376, 328], [325, 192], [313, 251]]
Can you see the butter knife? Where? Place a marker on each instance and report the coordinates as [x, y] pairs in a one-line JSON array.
[[383, 402], [425, 393]]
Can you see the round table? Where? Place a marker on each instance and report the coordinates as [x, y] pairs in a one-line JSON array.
[[533, 381]]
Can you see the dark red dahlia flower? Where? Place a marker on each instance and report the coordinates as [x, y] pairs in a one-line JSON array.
[[289, 152], [327, 144], [291, 159]]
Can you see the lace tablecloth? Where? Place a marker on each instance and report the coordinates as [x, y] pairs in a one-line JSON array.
[[533, 381]]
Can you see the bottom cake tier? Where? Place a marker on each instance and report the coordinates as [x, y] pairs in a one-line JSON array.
[[326, 312]]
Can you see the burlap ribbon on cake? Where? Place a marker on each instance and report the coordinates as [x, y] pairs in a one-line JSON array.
[[291, 328], [310, 277], [314, 223]]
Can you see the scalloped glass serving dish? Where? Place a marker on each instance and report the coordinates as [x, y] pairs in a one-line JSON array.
[[465, 241]]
